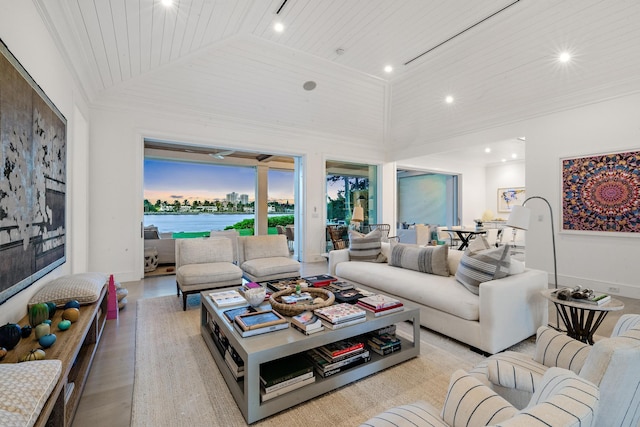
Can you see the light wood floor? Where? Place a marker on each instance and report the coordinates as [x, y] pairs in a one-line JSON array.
[[106, 400]]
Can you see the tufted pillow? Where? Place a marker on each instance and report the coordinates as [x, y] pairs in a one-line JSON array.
[[426, 259], [24, 389], [83, 287], [366, 247], [479, 264], [470, 403]]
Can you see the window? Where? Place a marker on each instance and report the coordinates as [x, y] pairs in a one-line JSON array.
[[427, 198], [350, 185]]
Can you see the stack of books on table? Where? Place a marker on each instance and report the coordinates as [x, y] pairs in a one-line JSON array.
[[596, 299], [231, 357], [227, 298], [340, 315], [339, 285], [219, 339], [380, 304], [337, 357], [281, 376], [307, 323], [384, 344], [350, 296], [320, 280], [234, 362]]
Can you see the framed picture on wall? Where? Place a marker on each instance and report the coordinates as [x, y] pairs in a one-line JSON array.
[[601, 193], [33, 142], [509, 197]]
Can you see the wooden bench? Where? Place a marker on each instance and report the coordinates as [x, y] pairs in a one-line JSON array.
[[75, 348]]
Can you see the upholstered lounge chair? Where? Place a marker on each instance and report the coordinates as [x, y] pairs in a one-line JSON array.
[[563, 399], [613, 364], [203, 264], [266, 258]]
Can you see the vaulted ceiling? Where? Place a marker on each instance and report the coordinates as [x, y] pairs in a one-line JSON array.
[[223, 58]]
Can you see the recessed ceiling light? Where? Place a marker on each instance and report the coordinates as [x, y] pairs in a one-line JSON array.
[[504, 160], [514, 156], [564, 57], [388, 69], [278, 27], [167, 3], [522, 138], [487, 150], [449, 99]]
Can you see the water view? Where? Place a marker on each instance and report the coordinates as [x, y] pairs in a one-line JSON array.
[[197, 222]]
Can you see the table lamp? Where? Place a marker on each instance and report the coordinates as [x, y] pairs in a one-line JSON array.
[[519, 219], [357, 217]]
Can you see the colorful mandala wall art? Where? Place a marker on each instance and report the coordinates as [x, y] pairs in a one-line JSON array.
[[602, 193]]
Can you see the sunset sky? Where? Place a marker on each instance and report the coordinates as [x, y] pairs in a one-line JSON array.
[[169, 181]]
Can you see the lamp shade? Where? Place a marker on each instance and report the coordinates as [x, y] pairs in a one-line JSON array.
[[358, 214], [519, 217]]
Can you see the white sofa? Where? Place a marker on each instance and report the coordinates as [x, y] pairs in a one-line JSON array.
[[506, 311]]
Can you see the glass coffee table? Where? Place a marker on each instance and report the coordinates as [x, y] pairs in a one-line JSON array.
[[263, 348], [581, 318]]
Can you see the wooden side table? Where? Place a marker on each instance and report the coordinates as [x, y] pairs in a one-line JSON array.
[[581, 318]]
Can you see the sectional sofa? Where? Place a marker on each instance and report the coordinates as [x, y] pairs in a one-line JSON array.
[[505, 312]]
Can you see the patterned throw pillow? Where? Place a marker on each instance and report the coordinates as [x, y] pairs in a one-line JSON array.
[[83, 287], [481, 262], [426, 259], [366, 247]]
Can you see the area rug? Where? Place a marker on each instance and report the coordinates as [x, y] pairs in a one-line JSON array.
[[177, 382]]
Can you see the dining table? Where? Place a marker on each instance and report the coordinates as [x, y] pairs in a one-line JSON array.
[[465, 234]]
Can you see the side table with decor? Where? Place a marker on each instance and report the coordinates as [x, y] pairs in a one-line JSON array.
[[581, 319]]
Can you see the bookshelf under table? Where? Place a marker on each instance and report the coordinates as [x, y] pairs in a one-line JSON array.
[[259, 349]]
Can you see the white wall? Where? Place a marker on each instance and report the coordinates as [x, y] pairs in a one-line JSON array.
[[26, 36], [597, 261], [471, 183], [116, 171], [510, 174]]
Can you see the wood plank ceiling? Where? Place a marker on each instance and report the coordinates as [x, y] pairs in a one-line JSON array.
[[498, 58]]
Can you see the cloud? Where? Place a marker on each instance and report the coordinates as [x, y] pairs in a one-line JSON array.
[[173, 196]]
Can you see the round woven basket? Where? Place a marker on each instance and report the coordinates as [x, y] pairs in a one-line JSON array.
[[294, 309]]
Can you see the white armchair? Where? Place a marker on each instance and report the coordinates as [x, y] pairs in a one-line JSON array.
[[611, 364], [564, 399], [205, 263]]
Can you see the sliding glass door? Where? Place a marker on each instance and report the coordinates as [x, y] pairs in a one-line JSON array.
[[350, 186]]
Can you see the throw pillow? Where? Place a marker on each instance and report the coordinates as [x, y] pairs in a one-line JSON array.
[[479, 266], [83, 287], [469, 403], [516, 266], [426, 259], [366, 247]]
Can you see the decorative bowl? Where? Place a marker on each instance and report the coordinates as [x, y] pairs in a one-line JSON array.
[[293, 309], [255, 296]]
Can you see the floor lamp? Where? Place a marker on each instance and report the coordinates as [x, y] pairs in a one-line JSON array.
[[519, 219]]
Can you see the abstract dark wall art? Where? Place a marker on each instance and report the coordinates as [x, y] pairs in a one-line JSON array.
[[602, 193], [33, 143]]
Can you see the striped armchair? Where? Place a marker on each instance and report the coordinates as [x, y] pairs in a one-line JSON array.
[[611, 363], [563, 400]]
